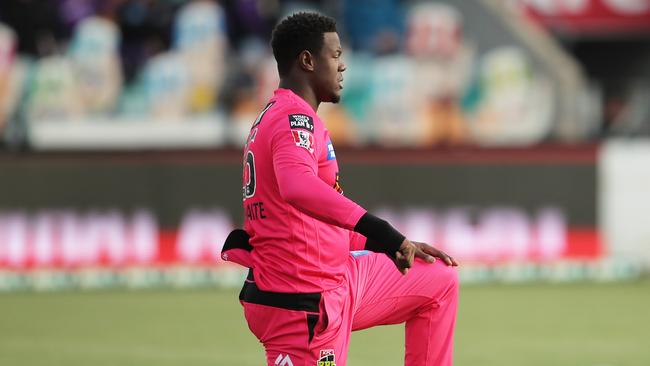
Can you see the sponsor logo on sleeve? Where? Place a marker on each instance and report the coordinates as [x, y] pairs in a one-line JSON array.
[[303, 139], [301, 121], [337, 184], [326, 358], [331, 155]]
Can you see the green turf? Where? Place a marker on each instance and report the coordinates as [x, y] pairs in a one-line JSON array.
[[499, 325]]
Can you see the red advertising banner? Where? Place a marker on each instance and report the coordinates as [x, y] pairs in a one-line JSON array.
[[590, 16], [111, 239]]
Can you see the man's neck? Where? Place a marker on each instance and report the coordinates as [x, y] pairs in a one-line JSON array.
[[301, 89]]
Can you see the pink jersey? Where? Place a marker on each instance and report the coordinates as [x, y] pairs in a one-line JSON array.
[[294, 210]]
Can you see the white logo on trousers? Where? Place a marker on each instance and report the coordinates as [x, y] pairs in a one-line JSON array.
[[283, 360]]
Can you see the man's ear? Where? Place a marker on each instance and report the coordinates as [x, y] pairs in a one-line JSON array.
[[306, 60]]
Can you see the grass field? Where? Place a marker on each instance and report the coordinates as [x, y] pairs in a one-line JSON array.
[[498, 325]]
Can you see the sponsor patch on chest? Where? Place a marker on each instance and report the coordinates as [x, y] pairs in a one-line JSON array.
[[301, 121]]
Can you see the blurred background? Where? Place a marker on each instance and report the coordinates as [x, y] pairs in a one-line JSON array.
[[512, 134]]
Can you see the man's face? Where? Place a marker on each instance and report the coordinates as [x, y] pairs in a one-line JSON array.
[[329, 69]]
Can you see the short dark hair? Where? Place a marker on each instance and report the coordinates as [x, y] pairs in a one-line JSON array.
[[296, 33]]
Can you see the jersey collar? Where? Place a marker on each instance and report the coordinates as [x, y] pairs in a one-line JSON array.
[[287, 93]]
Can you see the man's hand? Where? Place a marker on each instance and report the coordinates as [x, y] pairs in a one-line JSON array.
[[408, 251], [429, 254], [405, 255]]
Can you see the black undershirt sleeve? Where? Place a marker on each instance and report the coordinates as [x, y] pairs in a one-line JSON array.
[[381, 236]]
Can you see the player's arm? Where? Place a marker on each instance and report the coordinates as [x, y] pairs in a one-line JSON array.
[[373, 228], [295, 166], [237, 249]]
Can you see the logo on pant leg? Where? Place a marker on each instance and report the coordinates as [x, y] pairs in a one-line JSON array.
[[283, 360], [326, 358]]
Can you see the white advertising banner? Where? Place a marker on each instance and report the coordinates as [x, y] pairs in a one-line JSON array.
[[624, 198]]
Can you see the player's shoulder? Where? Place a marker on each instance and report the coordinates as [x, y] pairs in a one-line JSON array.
[[285, 115]]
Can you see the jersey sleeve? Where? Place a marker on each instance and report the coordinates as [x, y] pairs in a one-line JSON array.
[[295, 163]]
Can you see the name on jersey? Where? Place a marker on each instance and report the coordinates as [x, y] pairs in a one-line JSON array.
[[255, 211], [301, 121]]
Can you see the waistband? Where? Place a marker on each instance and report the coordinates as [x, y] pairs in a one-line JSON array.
[[250, 293]]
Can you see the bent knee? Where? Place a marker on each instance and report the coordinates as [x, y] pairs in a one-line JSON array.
[[444, 274]]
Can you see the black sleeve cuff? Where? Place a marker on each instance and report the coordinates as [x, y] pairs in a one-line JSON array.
[[382, 237]]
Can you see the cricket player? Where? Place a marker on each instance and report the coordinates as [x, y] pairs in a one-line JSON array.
[[321, 266]]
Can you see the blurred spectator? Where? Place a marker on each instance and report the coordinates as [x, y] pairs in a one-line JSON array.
[[367, 23], [54, 94], [146, 30], [200, 38], [258, 79], [512, 104], [443, 63], [396, 108], [357, 96], [7, 57], [95, 58], [167, 85], [249, 19], [414, 78], [74, 11]]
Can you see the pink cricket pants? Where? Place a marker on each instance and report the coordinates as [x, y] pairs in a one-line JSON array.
[[314, 329]]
